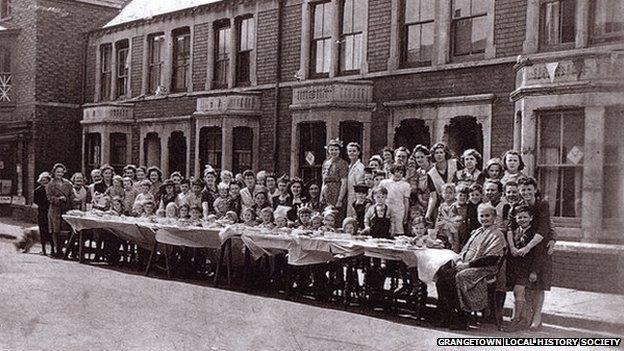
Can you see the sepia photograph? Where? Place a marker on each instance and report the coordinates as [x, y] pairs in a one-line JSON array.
[[310, 175]]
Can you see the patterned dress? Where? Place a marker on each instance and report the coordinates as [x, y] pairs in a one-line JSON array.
[[334, 170]]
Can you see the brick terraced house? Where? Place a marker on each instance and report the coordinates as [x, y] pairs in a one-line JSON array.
[[42, 55], [264, 84]]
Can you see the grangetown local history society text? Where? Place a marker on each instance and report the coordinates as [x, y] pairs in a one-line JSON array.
[[529, 341]]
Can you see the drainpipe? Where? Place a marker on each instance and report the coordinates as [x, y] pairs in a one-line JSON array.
[[278, 68]]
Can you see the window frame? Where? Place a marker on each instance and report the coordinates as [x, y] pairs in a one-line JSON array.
[[243, 76], [404, 36], [6, 9], [326, 38], [542, 45], [358, 36], [181, 61], [221, 62], [601, 38], [155, 67], [238, 152], [115, 146], [106, 71], [559, 166], [453, 30], [93, 150], [122, 75], [213, 137]]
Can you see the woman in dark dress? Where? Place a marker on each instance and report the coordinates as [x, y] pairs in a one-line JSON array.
[[41, 200], [542, 262], [60, 193], [313, 195]]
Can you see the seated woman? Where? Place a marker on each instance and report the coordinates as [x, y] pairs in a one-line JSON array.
[[461, 283]]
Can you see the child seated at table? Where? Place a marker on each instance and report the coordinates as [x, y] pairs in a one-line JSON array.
[[281, 216], [305, 218], [420, 232], [117, 208], [349, 226], [195, 213], [266, 216], [144, 195], [329, 221], [222, 203], [248, 217], [317, 221], [378, 218], [230, 217], [148, 208], [183, 211], [171, 211]]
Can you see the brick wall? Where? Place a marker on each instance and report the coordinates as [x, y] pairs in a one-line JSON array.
[[166, 107], [266, 46], [509, 26], [267, 130], [57, 138], [90, 70], [61, 45], [200, 55], [291, 42], [136, 65], [283, 131], [379, 12]]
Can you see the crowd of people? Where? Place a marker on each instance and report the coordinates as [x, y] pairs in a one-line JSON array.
[[492, 216]]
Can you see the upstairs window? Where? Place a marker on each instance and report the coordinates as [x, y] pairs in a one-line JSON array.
[[246, 43], [321, 39], [557, 27], [417, 32], [106, 51], [351, 36], [608, 20], [122, 64], [5, 75], [5, 9], [469, 26], [181, 59], [222, 54], [155, 61]]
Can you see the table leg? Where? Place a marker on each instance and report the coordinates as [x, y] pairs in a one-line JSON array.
[[69, 244], [151, 258], [229, 264], [167, 261], [81, 246], [220, 262], [246, 268]]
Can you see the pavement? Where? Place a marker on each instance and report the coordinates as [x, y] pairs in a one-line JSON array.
[[49, 304]]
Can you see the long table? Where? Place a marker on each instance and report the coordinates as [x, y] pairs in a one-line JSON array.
[[302, 249]]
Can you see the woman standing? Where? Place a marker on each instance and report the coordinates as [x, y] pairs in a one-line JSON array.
[[297, 198], [60, 193], [356, 174], [443, 171], [541, 270], [422, 188], [80, 192], [335, 173], [41, 200]]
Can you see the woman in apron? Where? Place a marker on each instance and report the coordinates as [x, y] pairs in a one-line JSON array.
[[335, 173]]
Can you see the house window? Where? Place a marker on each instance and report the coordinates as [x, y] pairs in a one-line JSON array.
[[5, 75], [93, 144], [106, 51], [241, 151], [210, 139], [181, 59], [5, 9], [613, 188], [561, 136], [350, 131], [608, 20], [321, 39], [417, 33], [222, 54], [118, 146], [122, 64], [351, 36], [469, 26], [177, 152], [557, 23], [155, 61], [246, 43]]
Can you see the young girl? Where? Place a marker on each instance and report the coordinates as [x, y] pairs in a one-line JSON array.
[[317, 221], [266, 216], [226, 177], [117, 208], [420, 232], [349, 226], [222, 204], [513, 166], [130, 195], [445, 224], [398, 198], [378, 218], [183, 211], [248, 217], [471, 158], [231, 217], [143, 196], [171, 211], [117, 190], [196, 214], [305, 218], [329, 222], [148, 207], [493, 170], [182, 197], [522, 242]]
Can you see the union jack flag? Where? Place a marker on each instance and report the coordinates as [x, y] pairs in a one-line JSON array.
[[5, 87]]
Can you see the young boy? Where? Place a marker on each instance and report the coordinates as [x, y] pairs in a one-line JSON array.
[[519, 265], [378, 218], [361, 203], [317, 221], [378, 176], [445, 224], [398, 197], [130, 195], [459, 215], [222, 203], [144, 195], [196, 214], [329, 222], [305, 218], [148, 208]]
